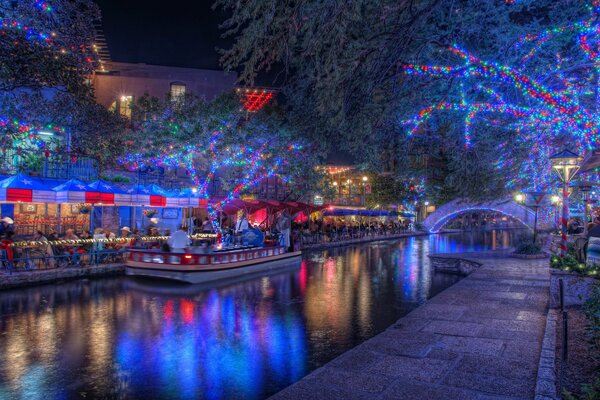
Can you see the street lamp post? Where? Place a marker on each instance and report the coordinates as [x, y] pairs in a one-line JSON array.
[[555, 201], [566, 165], [537, 198]]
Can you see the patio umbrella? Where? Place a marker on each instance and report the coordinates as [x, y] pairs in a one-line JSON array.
[[75, 191], [22, 188], [110, 194]]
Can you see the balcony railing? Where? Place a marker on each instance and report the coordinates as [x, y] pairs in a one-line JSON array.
[[347, 200], [55, 166]]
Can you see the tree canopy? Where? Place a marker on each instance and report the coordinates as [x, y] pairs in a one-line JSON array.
[[346, 77], [217, 142]]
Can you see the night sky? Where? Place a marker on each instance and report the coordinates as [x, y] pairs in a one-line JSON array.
[[180, 33]]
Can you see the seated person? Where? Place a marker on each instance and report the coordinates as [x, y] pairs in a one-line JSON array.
[[72, 249]]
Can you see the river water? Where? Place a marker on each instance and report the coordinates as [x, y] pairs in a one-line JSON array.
[[128, 338]]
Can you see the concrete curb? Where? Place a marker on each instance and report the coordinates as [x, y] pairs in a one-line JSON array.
[[40, 277], [545, 388]]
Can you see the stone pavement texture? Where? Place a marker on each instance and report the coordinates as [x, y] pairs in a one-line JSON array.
[[480, 339]]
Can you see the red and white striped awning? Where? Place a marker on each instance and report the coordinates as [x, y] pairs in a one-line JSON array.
[[25, 189]]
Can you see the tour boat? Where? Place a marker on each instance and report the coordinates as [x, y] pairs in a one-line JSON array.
[[200, 268]]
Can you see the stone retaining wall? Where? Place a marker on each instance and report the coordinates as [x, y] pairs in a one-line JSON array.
[[30, 278], [454, 265], [367, 239], [577, 288]]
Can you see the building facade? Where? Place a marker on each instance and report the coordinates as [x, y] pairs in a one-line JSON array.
[[119, 84]]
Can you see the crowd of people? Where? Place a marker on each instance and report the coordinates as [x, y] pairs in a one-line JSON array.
[[75, 249], [314, 232]]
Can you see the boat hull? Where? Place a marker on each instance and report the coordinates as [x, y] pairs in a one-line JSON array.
[[212, 273]]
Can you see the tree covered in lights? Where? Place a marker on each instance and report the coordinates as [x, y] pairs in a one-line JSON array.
[[47, 44], [47, 54], [218, 144], [346, 78]]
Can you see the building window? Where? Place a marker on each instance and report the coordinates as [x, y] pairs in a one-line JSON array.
[[177, 91], [122, 106]]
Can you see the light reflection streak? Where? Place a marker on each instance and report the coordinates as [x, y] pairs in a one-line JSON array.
[[120, 338]]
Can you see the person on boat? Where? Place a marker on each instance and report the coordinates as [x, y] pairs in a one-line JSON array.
[[179, 240], [206, 226], [242, 224], [284, 226]]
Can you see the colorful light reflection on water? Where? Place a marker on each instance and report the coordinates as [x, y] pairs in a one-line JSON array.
[[125, 338]]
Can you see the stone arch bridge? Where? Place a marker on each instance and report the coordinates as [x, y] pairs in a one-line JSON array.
[[444, 214]]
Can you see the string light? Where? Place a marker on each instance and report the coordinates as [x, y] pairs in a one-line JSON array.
[[546, 111], [203, 162]]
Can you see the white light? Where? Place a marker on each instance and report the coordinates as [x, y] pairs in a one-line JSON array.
[[44, 133], [426, 203]]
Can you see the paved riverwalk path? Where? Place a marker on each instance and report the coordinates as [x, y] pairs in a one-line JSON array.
[[479, 339]]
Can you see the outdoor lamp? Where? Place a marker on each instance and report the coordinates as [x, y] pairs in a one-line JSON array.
[[519, 198], [335, 183], [365, 178], [565, 164], [555, 199], [426, 203], [537, 198]]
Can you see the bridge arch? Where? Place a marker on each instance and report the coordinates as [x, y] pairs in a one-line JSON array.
[[441, 216]]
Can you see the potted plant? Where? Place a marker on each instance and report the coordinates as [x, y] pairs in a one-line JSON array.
[[150, 213]]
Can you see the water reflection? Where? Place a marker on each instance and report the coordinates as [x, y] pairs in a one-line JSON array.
[[124, 338]]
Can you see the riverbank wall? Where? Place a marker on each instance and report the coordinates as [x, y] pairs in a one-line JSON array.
[[40, 277]]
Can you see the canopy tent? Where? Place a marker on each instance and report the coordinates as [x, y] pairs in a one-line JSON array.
[[75, 191], [188, 198], [235, 205], [21, 188], [158, 195], [297, 207], [151, 195], [342, 212], [110, 194]]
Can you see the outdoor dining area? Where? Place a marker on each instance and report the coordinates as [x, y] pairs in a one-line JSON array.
[[50, 224]]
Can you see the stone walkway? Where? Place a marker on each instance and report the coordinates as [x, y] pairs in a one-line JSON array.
[[479, 339]]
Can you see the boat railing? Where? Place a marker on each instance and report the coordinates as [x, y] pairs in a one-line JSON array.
[[218, 258]]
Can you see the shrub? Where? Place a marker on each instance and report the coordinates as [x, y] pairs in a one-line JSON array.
[[525, 245], [591, 309], [570, 263], [528, 248]]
